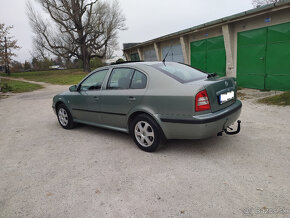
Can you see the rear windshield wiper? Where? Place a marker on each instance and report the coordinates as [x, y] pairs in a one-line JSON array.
[[210, 75]]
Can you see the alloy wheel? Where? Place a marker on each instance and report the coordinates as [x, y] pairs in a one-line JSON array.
[[144, 133], [63, 116]]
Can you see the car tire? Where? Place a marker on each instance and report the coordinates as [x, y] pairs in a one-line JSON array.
[[146, 133], [64, 117]]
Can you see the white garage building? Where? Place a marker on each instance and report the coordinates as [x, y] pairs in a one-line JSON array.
[[253, 46]]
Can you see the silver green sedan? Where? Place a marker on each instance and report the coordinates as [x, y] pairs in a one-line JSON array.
[[152, 101]]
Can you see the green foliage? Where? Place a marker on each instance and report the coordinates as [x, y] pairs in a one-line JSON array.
[[16, 67], [73, 64], [282, 99], [58, 61], [17, 86], [38, 64], [61, 77], [5, 87], [96, 63], [27, 65], [7, 45]]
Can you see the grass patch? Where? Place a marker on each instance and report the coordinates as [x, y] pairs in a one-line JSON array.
[[282, 99], [241, 95], [17, 86], [60, 77]]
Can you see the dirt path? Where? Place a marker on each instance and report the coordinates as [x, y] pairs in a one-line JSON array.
[[47, 86], [47, 171], [28, 81]]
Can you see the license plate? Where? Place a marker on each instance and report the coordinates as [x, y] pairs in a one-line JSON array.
[[226, 97]]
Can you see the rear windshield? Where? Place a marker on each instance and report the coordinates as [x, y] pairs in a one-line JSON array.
[[180, 72]]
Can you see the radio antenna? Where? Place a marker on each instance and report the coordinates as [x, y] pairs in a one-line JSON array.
[[167, 54]]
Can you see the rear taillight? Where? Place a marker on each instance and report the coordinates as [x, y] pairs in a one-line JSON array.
[[202, 101]]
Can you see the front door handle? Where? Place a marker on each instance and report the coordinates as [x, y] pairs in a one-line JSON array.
[[131, 98], [95, 98]]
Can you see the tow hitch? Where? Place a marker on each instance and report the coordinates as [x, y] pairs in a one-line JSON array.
[[231, 132]]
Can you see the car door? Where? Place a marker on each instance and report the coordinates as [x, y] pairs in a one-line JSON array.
[[85, 103], [124, 90]]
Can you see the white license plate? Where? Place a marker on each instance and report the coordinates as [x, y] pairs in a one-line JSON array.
[[226, 97]]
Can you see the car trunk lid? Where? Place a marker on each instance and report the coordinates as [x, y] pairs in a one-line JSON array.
[[215, 87]]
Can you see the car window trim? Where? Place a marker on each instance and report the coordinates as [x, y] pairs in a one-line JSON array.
[[107, 86], [133, 77], [114, 67]]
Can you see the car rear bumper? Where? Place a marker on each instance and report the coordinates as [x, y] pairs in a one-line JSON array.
[[201, 126]]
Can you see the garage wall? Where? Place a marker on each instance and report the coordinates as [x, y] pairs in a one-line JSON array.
[[205, 34]]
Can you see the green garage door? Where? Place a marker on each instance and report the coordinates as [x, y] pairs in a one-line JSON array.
[[263, 60], [278, 58], [209, 55], [251, 58], [135, 57]]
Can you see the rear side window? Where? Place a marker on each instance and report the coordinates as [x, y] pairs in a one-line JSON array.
[[120, 78], [139, 80], [180, 72]]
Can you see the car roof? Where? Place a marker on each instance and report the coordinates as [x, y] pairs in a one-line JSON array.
[[138, 63]]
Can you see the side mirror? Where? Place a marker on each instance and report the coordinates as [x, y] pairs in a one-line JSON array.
[[73, 88]]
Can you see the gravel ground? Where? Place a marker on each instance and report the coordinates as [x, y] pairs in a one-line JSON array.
[[46, 171]]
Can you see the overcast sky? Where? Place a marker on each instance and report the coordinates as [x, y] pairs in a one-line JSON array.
[[145, 19]]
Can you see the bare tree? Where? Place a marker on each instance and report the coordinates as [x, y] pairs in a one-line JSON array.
[[38, 51], [7, 45], [82, 29], [259, 3]]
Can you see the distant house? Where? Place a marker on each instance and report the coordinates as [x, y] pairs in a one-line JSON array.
[[56, 67]]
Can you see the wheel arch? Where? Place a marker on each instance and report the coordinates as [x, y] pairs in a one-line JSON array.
[[133, 115], [59, 102]]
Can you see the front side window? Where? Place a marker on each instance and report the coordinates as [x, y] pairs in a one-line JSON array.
[[94, 81], [120, 78], [139, 81]]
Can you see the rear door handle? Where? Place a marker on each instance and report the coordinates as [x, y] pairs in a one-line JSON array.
[[95, 98], [131, 98]]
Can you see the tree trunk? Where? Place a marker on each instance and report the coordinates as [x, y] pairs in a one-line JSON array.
[[7, 70], [85, 57], [86, 65], [6, 60]]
